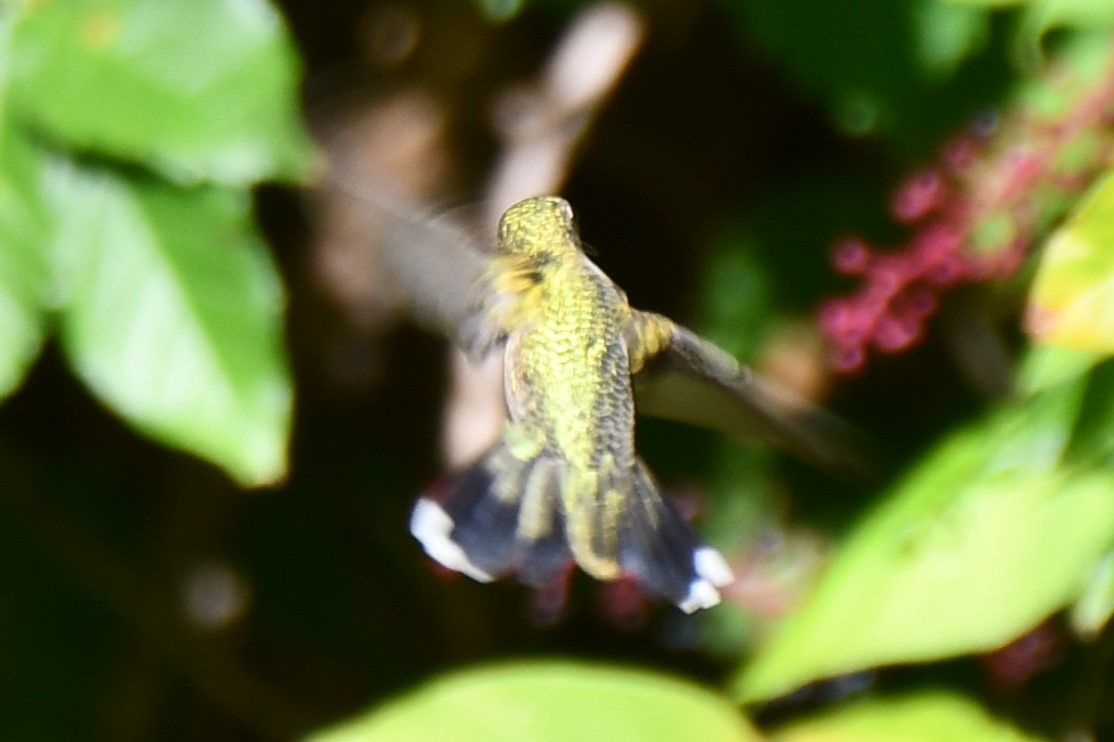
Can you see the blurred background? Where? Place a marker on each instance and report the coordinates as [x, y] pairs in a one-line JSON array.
[[725, 150]]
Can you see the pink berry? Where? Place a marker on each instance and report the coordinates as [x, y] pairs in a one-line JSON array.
[[893, 334], [847, 358], [851, 256], [917, 197]]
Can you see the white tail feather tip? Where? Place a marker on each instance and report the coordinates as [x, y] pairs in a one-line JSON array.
[[701, 594], [432, 526], [712, 572], [711, 565]]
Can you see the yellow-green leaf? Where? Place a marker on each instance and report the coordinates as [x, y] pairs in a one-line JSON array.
[[172, 315], [24, 265], [1072, 300], [550, 701], [989, 535], [198, 89], [925, 717], [1095, 606]]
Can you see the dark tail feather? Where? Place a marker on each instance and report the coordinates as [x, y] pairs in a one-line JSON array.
[[499, 517], [504, 516], [663, 552]]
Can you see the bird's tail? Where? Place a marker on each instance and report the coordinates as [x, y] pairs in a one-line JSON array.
[[497, 518], [531, 518], [659, 548]]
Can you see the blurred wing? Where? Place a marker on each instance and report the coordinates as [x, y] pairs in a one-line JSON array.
[[692, 381], [430, 267]]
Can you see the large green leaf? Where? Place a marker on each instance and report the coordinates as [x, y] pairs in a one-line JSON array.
[[201, 89], [1072, 300], [24, 233], [926, 717], [557, 701], [24, 267], [173, 317], [984, 539]]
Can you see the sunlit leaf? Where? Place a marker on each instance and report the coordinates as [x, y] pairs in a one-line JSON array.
[[201, 89], [1096, 605], [1072, 300], [173, 317], [24, 233], [987, 536], [1041, 16], [1092, 441], [24, 268], [1044, 367], [556, 701], [927, 717]]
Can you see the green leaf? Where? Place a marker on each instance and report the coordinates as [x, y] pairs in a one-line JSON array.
[[173, 317], [982, 541], [1092, 441], [925, 717], [199, 89], [1072, 300], [1044, 14], [1045, 367], [1041, 16], [556, 701], [947, 35], [24, 267], [1095, 606]]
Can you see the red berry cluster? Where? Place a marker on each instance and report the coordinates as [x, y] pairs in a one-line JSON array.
[[973, 215], [901, 288]]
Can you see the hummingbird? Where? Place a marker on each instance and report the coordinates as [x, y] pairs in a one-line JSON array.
[[564, 484]]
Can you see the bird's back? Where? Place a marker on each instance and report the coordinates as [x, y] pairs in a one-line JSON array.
[[568, 374]]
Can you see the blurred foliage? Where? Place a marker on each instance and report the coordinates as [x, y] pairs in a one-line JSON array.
[[552, 701], [146, 597], [1072, 294], [871, 80], [129, 148], [994, 508], [928, 716]]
